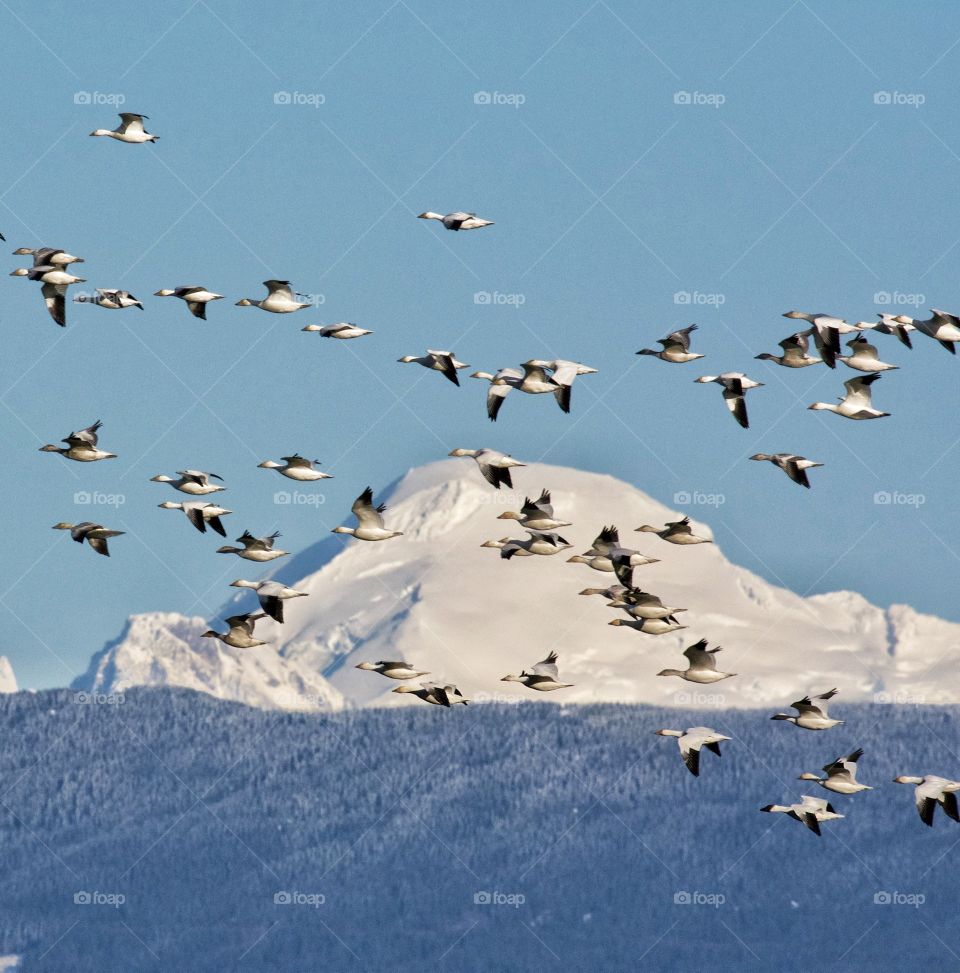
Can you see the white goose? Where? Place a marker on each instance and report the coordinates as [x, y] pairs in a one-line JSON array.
[[676, 532], [841, 775], [811, 715], [562, 376], [195, 483], [692, 740], [652, 626], [544, 677], [494, 466], [343, 330], [893, 324], [457, 221], [279, 300], [503, 542], [295, 468], [535, 514], [810, 811], [239, 631], [501, 383], [48, 256], [94, 534], [794, 466], [857, 403], [539, 542], [826, 331], [735, 385], [369, 520], [54, 290], [197, 298], [676, 347], [255, 548], [794, 352], [638, 603], [702, 665], [392, 670], [931, 791], [81, 446], [942, 327], [607, 554], [130, 129], [434, 693], [271, 595], [110, 298], [200, 513], [444, 362], [863, 357]]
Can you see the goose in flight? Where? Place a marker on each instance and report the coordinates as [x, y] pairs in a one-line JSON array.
[[636, 602], [535, 514], [563, 374], [271, 595], [607, 554], [810, 811], [501, 383], [130, 129], [434, 693], [457, 221], [48, 256], [196, 297], [440, 361], [611, 592], [735, 385], [94, 534], [279, 300], [255, 548], [81, 446], [369, 520], [676, 347], [690, 742], [54, 290], [702, 665], [652, 626], [494, 465], [196, 483], [200, 514], [857, 403], [239, 631], [794, 352], [296, 468], [794, 466], [499, 545], [931, 791], [811, 715], [893, 324], [111, 299], [343, 330], [676, 532], [392, 670], [539, 542], [942, 327], [841, 775], [826, 331], [863, 356], [544, 677]]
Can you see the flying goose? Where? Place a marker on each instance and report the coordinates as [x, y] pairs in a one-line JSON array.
[[942, 327], [794, 466], [863, 356], [826, 331], [81, 446], [518, 551], [606, 554], [457, 221], [638, 603], [94, 534], [809, 811], [279, 299], [652, 626], [931, 791], [196, 483], [539, 542], [811, 715], [794, 352], [111, 299], [130, 129], [691, 740], [494, 465], [735, 384], [440, 361], [271, 594], [675, 532], [434, 693], [369, 520], [676, 347], [392, 670], [501, 383], [893, 324], [255, 548], [702, 665], [841, 775], [563, 374], [196, 297], [240, 631], [535, 514], [857, 403], [54, 290], [48, 256], [543, 677], [200, 513], [611, 592], [296, 468], [343, 330]]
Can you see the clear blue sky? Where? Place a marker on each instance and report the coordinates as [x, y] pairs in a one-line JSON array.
[[798, 191]]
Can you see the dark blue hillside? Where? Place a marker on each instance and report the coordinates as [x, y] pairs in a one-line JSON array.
[[482, 838]]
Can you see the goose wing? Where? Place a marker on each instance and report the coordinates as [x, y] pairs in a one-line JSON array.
[[795, 472], [677, 341], [862, 348], [280, 288], [132, 123], [547, 668], [297, 460], [606, 540], [86, 436], [444, 361], [699, 656], [54, 297], [858, 390], [541, 505], [366, 513]]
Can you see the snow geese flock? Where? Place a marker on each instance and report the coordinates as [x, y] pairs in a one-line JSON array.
[[643, 611]]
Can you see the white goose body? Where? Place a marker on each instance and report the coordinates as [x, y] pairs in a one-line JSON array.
[[544, 677], [200, 513], [857, 403], [690, 742], [535, 514], [931, 791], [370, 526], [271, 595], [196, 298], [255, 548], [343, 331], [494, 466], [863, 357], [676, 347], [735, 385], [809, 811], [794, 466], [81, 446], [194, 483], [702, 667], [392, 670], [280, 299], [130, 129], [457, 221], [811, 715], [444, 362], [296, 468], [841, 775], [239, 631]]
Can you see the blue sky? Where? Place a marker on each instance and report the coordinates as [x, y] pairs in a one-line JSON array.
[[785, 182]]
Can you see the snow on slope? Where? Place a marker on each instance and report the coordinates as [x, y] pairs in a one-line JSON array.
[[8, 683], [436, 599]]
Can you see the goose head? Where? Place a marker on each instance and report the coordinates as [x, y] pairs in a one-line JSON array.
[[784, 717], [50, 448], [367, 666], [269, 464], [19, 272], [513, 679], [761, 456], [430, 216], [649, 351], [101, 131], [230, 550], [462, 452], [495, 544], [159, 478], [807, 776], [509, 515], [484, 375], [244, 302], [666, 672], [313, 327], [822, 406], [405, 689], [407, 359], [170, 505], [907, 780], [63, 526], [766, 356], [343, 530], [669, 733]]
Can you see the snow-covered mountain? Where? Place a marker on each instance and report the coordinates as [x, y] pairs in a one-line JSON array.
[[8, 683], [436, 599]]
